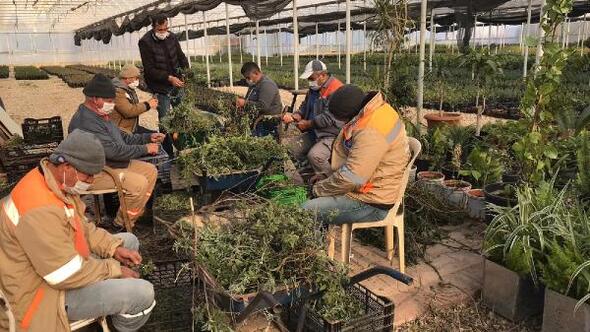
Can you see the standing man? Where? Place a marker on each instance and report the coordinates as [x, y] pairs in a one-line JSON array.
[[54, 265], [163, 62], [137, 178], [127, 105], [262, 96], [313, 118]]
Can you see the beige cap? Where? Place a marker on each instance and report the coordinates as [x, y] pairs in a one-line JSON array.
[[128, 71]]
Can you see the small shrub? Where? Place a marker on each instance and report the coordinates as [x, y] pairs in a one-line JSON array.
[[3, 71], [29, 73]]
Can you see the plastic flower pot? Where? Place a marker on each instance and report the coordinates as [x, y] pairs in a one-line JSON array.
[[413, 172], [454, 192], [431, 180], [559, 313], [496, 194], [509, 295], [437, 119], [422, 163], [476, 204]]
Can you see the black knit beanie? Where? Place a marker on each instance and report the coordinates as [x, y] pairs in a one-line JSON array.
[[346, 102], [99, 86]]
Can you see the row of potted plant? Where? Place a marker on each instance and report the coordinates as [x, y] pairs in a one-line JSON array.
[[4, 71], [29, 73], [74, 78]]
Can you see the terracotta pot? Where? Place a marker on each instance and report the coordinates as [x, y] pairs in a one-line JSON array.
[[457, 185], [454, 192], [431, 176], [436, 119]]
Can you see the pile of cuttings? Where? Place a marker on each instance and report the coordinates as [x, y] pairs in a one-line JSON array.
[[224, 155], [268, 247]]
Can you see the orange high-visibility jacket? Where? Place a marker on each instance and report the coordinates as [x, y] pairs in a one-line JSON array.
[[45, 246], [369, 156]]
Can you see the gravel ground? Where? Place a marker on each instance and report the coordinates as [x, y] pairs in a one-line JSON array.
[[47, 98]]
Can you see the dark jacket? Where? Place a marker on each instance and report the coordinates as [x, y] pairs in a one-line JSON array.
[[315, 108], [127, 107], [119, 147], [160, 58], [265, 97]]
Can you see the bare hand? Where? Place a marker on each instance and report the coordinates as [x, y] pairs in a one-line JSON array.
[[127, 273], [316, 178], [296, 117], [153, 148], [157, 137], [240, 102], [288, 118], [127, 257], [175, 81], [153, 103], [304, 125]]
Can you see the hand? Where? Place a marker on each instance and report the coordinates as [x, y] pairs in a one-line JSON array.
[[240, 102], [316, 178], [175, 81], [153, 103], [127, 273], [304, 125], [127, 257], [153, 148], [296, 117], [157, 137], [288, 118]]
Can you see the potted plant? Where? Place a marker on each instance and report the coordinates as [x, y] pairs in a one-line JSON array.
[[514, 244], [483, 167], [439, 77]]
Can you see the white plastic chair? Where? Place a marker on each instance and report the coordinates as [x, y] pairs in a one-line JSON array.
[[393, 220], [102, 321]]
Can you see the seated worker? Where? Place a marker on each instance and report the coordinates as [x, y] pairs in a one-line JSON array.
[[137, 178], [263, 96], [127, 105], [368, 159], [319, 126], [57, 267]]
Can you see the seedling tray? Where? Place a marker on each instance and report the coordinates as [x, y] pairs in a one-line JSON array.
[[170, 274], [45, 130], [161, 162], [25, 154]]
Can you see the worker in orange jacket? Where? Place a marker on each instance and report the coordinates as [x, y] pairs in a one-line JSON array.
[[54, 265]]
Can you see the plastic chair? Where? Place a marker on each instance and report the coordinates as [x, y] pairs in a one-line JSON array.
[[393, 220], [102, 321]]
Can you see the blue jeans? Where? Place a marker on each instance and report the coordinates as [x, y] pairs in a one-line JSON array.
[[266, 129], [128, 301], [338, 210], [163, 108]]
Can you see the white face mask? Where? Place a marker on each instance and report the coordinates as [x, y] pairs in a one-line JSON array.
[[79, 188], [107, 108], [162, 35], [250, 82], [314, 85], [133, 85]]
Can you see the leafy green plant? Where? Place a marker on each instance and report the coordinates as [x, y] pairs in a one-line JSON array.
[[29, 73], [224, 155], [484, 167], [583, 159], [4, 72], [536, 156]]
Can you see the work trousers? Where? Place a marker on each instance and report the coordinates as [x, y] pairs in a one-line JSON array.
[[138, 181], [342, 209], [317, 151], [129, 302], [164, 104]]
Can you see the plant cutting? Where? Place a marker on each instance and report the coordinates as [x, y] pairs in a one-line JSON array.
[[483, 167]]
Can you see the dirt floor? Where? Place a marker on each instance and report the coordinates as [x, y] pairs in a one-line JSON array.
[[445, 293]]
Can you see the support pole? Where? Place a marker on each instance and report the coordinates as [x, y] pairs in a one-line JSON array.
[[295, 46], [348, 41], [258, 53], [280, 45], [567, 32], [230, 68], [584, 30], [251, 43], [526, 34], [206, 40], [420, 97], [265, 47], [339, 50], [241, 50], [432, 41], [194, 44], [541, 35], [365, 45], [190, 65], [317, 38]]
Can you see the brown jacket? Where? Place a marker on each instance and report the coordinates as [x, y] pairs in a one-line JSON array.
[[127, 108], [369, 156], [45, 246]]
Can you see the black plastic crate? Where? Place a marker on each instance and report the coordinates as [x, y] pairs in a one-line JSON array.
[[46, 130], [161, 162], [16, 172], [170, 274], [378, 315], [172, 311], [25, 154]]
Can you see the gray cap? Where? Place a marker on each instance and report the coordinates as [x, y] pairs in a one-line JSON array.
[[312, 67], [81, 149]]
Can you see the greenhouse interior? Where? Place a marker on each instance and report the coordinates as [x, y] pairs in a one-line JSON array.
[[295, 165]]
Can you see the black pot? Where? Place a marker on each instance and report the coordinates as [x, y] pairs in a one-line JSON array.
[[449, 172], [422, 164], [493, 197], [510, 178]]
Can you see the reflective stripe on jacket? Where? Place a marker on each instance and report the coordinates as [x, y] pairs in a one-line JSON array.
[[45, 246], [369, 156]]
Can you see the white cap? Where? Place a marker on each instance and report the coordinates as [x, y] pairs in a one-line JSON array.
[[312, 67]]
